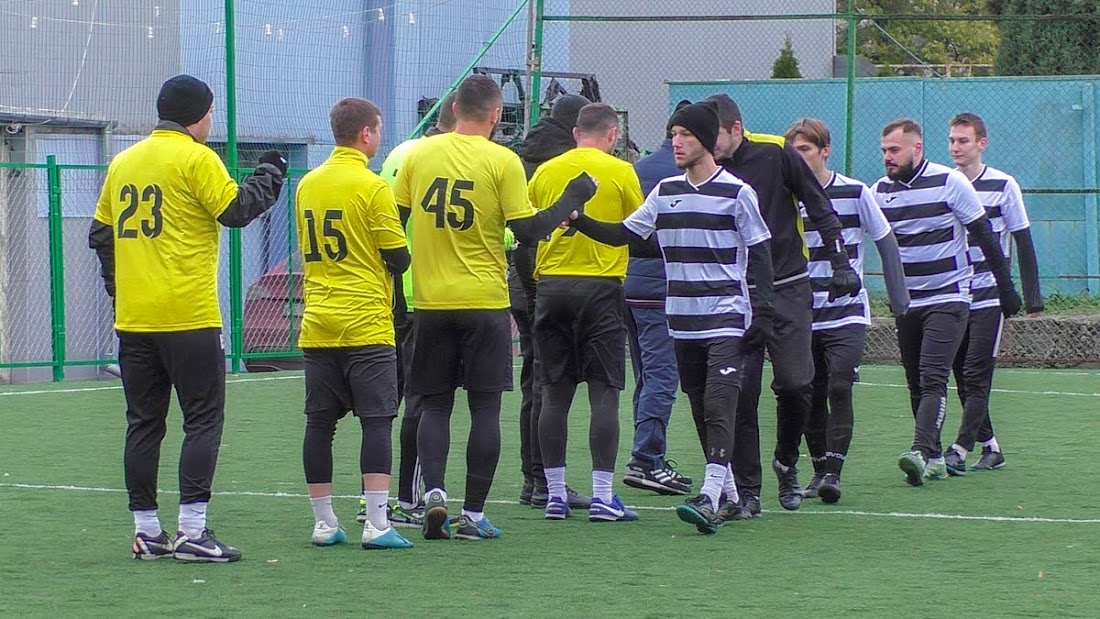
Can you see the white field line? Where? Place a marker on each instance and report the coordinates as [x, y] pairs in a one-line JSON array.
[[995, 390], [293, 495]]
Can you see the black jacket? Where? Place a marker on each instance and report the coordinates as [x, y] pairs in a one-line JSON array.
[[546, 140], [645, 284], [781, 179]]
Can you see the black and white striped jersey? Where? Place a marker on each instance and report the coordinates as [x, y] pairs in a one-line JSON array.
[[704, 232], [860, 217], [1000, 194], [928, 215]]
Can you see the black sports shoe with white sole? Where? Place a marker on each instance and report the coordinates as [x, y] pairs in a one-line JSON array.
[[204, 549], [829, 489], [147, 548], [790, 494], [665, 480]]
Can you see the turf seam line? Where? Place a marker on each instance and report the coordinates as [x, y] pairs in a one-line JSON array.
[[293, 495]]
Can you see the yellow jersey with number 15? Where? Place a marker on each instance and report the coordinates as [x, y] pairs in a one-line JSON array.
[[346, 215], [462, 189], [618, 194], [163, 196]]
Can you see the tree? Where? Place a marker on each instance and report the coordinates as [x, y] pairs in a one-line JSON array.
[[886, 41], [786, 66], [1048, 47]]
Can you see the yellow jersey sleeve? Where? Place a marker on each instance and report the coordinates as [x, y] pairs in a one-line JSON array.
[[383, 221], [401, 188], [513, 191], [631, 188], [214, 189], [103, 213]]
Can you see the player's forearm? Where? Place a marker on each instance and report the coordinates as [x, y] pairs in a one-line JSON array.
[[982, 232], [523, 257], [617, 235], [894, 274], [255, 197], [530, 230], [397, 260], [762, 294], [101, 238], [1029, 271]]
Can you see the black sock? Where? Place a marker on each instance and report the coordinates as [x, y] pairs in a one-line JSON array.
[[482, 448], [841, 421], [603, 429], [433, 437]]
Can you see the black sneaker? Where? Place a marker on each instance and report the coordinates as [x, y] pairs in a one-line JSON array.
[[956, 465], [436, 524], [149, 548], [671, 466], [699, 512], [539, 496], [989, 461], [790, 494], [732, 510], [751, 502], [576, 499], [829, 489], [665, 481], [810, 491], [526, 492], [203, 549]]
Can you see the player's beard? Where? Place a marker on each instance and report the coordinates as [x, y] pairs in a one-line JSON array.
[[903, 172]]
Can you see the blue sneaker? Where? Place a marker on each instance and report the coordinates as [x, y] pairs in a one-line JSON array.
[[436, 525], [465, 528], [610, 512], [557, 509], [383, 539], [324, 535]]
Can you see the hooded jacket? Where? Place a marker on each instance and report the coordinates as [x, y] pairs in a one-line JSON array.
[[549, 138]]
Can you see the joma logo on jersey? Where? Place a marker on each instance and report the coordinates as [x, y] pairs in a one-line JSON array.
[[674, 203]]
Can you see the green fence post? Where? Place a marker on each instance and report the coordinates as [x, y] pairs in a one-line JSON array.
[[535, 96], [236, 263], [57, 270], [850, 103]]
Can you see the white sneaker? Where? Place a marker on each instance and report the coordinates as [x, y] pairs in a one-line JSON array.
[[324, 535], [378, 539]]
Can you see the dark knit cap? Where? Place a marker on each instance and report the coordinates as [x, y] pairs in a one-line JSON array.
[[567, 107], [184, 100], [701, 120]]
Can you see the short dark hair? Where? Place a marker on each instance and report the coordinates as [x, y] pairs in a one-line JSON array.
[[970, 120], [476, 97], [596, 118], [349, 116], [907, 125], [812, 130], [446, 119], [728, 112]]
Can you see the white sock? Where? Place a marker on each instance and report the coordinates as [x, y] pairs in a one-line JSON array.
[[406, 505], [147, 522], [193, 519], [992, 444], [729, 486], [555, 482], [376, 508], [601, 485], [475, 516], [441, 491], [322, 511], [713, 479], [959, 450]]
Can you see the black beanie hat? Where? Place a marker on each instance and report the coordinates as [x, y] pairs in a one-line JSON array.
[[184, 100], [701, 120], [566, 108]]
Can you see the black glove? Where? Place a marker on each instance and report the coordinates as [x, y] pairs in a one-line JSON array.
[[577, 192], [276, 159], [1010, 302], [844, 282], [761, 329]]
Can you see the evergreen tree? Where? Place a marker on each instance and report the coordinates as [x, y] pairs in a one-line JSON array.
[[786, 66], [1048, 47]]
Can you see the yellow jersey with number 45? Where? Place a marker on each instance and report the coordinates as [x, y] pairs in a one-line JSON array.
[[462, 190], [162, 197], [346, 215], [618, 194]]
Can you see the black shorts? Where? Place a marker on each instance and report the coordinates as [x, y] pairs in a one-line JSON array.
[[716, 360], [460, 348], [580, 330], [361, 379]]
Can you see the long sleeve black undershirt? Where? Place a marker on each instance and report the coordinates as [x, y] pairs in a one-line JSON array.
[[618, 235], [1029, 271]]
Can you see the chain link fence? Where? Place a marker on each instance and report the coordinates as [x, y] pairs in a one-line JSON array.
[[87, 75]]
